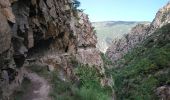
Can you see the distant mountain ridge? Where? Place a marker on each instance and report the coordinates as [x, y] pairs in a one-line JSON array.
[[138, 34], [141, 60], [107, 31]]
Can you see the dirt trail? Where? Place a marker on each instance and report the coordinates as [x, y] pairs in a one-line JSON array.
[[39, 88]]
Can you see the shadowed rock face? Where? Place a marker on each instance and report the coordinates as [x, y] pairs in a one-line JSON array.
[[34, 29], [121, 46]]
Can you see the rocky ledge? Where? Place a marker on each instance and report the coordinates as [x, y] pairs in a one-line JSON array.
[[49, 32]]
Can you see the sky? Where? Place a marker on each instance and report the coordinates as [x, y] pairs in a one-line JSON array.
[[121, 10]]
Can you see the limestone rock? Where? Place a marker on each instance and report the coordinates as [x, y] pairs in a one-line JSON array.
[[120, 47]]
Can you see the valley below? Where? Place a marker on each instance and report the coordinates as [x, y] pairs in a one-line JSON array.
[[108, 31], [50, 50]]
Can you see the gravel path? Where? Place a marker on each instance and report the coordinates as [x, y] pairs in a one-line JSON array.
[[39, 88]]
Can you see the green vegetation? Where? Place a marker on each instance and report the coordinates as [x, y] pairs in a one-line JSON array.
[[40, 70], [144, 68], [18, 94], [87, 87], [76, 3], [90, 81], [106, 60], [107, 64]]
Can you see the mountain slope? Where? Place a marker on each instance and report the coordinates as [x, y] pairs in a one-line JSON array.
[[109, 30], [121, 46], [141, 66], [145, 70]]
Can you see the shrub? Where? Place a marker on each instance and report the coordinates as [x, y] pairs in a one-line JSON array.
[[145, 68], [18, 94], [76, 3]]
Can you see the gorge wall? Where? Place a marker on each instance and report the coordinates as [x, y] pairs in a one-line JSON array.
[[107, 31], [140, 60], [121, 46], [49, 32]]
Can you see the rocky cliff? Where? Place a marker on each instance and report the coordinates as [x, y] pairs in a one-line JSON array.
[[107, 31], [141, 66], [143, 72], [48, 32], [121, 46]]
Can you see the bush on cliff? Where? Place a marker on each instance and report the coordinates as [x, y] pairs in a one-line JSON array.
[[144, 68], [88, 87], [76, 3]]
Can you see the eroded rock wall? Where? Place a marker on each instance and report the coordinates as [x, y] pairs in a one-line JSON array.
[[50, 32], [127, 42]]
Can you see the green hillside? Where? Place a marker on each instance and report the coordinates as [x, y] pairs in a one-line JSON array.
[[110, 30], [144, 69]]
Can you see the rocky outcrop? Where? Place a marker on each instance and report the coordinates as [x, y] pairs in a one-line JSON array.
[[91, 57], [162, 17], [49, 32], [163, 92], [121, 46], [127, 42], [107, 31], [87, 52]]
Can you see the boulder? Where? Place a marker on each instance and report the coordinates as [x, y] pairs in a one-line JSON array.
[[163, 92], [50, 68]]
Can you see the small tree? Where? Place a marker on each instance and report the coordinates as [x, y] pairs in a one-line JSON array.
[[76, 3]]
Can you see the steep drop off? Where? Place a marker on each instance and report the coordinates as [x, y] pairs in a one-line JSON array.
[[140, 61], [108, 31], [143, 73]]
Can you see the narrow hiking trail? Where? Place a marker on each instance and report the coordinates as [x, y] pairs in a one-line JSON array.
[[38, 89]]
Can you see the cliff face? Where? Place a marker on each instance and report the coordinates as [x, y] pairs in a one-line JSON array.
[[49, 32], [162, 17], [144, 71], [121, 46], [141, 66], [107, 31]]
